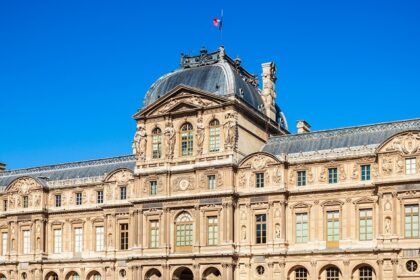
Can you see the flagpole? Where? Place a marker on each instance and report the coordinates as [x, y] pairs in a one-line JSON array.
[[221, 29]]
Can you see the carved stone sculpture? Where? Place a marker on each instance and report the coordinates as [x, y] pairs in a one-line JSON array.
[[229, 129], [388, 225], [169, 133], [200, 135], [140, 144], [243, 233], [277, 231]]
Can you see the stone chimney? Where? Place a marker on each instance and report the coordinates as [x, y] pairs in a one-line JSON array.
[[268, 92], [303, 127], [2, 166]]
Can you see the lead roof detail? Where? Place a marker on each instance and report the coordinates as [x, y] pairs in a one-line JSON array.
[[215, 73], [359, 136]]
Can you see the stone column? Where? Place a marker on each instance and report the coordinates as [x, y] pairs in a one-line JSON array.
[[394, 269], [379, 273]]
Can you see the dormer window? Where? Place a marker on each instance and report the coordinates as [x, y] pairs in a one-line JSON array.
[[156, 143], [410, 166], [78, 198], [25, 201], [123, 193], [332, 175], [187, 140]]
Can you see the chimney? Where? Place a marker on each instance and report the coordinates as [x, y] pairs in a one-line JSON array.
[[268, 92], [2, 166], [303, 127]]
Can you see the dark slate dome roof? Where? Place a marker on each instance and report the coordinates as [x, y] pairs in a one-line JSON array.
[[215, 73]]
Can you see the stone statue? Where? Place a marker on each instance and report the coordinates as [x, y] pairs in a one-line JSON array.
[[277, 231], [140, 143], [200, 135], [243, 233], [388, 225], [169, 133], [230, 134]]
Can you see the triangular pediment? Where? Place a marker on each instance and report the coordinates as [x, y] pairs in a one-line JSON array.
[[181, 99]]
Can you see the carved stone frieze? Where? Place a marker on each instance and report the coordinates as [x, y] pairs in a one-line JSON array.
[[183, 183], [407, 144]]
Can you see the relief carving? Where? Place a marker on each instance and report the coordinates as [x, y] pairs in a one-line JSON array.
[[310, 176], [183, 184], [277, 231], [242, 179], [323, 175], [140, 144], [387, 165], [169, 133], [407, 143], [277, 176], [230, 131], [355, 172], [200, 134], [342, 173]]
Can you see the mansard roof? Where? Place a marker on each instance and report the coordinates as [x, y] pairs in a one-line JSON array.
[[76, 170], [359, 136], [214, 73]]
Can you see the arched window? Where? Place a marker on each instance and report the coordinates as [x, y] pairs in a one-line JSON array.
[[76, 276], [156, 143], [2, 277], [184, 231], [333, 273], [214, 137], [187, 140], [301, 274], [365, 273], [97, 276]]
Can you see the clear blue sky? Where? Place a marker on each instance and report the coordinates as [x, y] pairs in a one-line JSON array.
[[72, 73]]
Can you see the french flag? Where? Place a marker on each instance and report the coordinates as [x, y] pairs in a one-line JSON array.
[[217, 22]]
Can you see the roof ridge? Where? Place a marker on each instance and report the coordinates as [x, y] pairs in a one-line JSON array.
[[67, 165], [349, 128]]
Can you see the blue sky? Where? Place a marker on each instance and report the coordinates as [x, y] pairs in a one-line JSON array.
[[72, 73]]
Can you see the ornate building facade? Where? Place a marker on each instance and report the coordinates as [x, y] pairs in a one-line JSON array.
[[218, 188]]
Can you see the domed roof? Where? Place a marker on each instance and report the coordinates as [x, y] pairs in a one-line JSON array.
[[215, 73]]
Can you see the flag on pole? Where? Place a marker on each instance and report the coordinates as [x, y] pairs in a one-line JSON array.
[[217, 22]]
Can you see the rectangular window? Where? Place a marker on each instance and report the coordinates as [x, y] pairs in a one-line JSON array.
[[365, 172], [4, 239], [365, 224], [212, 230], [411, 221], [410, 166], [259, 182], [211, 182], [58, 200], [156, 146], [301, 227], [154, 234], [214, 138], [124, 236], [153, 187], [57, 241], [261, 229], [78, 240], [333, 226], [301, 178], [99, 238], [4, 205], [123, 193], [332, 175], [184, 234], [100, 197], [79, 198], [25, 201], [26, 242]]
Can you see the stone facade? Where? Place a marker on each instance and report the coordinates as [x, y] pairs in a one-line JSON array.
[[218, 189]]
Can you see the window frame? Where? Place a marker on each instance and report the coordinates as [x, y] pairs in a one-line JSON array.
[[26, 241], [153, 187], [156, 143], [410, 166], [411, 236], [79, 198], [58, 241], [78, 239], [212, 240], [154, 233], [214, 136], [99, 246], [185, 246], [58, 200], [301, 178], [332, 175], [300, 239], [260, 234], [123, 193], [99, 196], [259, 180], [366, 218], [186, 135], [124, 236], [365, 172], [332, 243]]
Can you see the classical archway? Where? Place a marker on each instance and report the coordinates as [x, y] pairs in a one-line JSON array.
[[94, 275], [2, 277], [72, 275], [183, 273], [51, 276], [211, 273], [153, 274]]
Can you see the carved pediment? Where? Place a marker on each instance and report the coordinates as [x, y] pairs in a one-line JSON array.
[[406, 143], [181, 98], [121, 177], [258, 161], [23, 185]]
